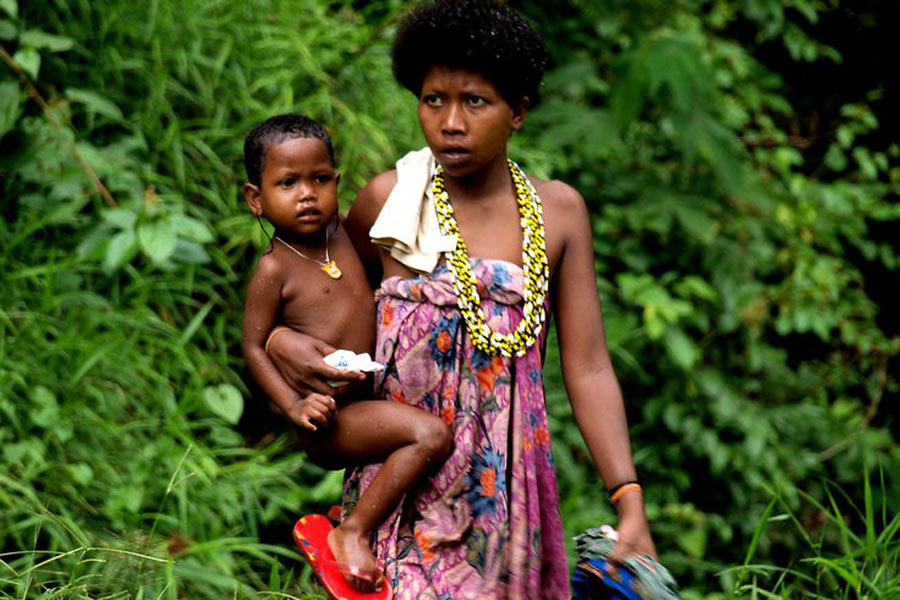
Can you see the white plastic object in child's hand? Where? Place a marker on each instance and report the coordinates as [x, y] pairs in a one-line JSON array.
[[348, 360]]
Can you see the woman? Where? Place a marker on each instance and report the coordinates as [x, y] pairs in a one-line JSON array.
[[487, 525]]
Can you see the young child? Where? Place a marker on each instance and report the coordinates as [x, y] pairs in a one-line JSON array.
[[311, 280]]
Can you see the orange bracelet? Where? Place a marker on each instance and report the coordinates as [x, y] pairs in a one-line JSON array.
[[272, 335], [628, 487]]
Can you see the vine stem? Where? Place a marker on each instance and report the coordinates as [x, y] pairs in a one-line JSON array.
[[33, 93]]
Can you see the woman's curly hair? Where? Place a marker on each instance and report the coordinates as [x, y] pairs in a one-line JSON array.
[[477, 35]]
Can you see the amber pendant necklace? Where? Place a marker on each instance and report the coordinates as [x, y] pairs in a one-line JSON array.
[[328, 266]]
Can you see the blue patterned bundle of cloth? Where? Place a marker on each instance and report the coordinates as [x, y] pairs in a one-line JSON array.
[[639, 578]]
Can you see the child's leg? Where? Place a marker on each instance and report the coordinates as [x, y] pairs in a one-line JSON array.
[[410, 441]]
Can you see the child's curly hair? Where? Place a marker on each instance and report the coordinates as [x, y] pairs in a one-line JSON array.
[[275, 130], [476, 35]]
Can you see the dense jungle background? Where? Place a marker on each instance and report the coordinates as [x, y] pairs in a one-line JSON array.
[[741, 162]]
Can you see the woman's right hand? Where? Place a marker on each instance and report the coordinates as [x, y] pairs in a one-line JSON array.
[[299, 359]]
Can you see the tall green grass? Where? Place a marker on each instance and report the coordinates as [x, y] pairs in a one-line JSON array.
[[130, 467], [118, 474], [852, 552]]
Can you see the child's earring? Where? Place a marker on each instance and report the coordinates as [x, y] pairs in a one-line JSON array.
[[263, 227]]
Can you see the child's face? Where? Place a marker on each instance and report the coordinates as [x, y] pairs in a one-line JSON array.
[[466, 121], [298, 187]]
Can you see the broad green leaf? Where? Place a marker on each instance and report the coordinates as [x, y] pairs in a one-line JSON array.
[[696, 222], [226, 401], [157, 239], [835, 159], [41, 40], [63, 429], [14, 453], [654, 325], [10, 105], [632, 285], [29, 60], [190, 253], [192, 228], [95, 103], [45, 409], [43, 396], [69, 187], [10, 6], [8, 30], [127, 498], [680, 347], [66, 210], [121, 218], [693, 542], [121, 248], [82, 473], [94, 244], [692, 285], [166, 397]]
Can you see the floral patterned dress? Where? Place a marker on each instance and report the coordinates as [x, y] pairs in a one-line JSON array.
[[487, 524]]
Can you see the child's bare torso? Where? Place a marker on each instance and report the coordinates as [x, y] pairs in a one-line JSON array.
[[340, 312]]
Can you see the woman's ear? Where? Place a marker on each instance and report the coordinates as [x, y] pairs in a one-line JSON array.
[[337, 177], [252, 197], [520, 110]]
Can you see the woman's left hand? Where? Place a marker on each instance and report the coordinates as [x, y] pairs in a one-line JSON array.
[[634, 539]]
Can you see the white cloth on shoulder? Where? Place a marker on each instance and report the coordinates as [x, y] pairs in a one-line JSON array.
[[407, 224]]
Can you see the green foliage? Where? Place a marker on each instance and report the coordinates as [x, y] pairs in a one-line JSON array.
[[735, 273], [123, 261], [732, 273]]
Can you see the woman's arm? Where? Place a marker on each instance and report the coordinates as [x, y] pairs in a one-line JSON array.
[[359, 221], [261, 309], [587, 370]]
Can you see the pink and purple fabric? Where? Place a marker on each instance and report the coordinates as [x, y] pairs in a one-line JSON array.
[[487, 524]]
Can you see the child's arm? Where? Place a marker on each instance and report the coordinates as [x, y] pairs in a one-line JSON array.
[[588, 372], [261, 311]]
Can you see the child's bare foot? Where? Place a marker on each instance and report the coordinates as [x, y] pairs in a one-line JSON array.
[[352, 549]]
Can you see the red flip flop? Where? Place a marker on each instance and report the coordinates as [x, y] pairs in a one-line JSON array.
[[311, 535]]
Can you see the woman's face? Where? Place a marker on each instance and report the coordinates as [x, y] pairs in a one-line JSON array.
[[466, 121]]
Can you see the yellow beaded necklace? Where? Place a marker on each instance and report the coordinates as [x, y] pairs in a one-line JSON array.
[[534, 262]]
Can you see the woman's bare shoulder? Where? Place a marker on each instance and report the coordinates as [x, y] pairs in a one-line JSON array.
[[558, 195], [370, 201], [378, 189], [564, 206]]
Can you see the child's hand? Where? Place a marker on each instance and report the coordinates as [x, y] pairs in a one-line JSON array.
[[314, 411]]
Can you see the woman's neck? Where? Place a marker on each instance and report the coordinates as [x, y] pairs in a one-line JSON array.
[[490, 182]]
